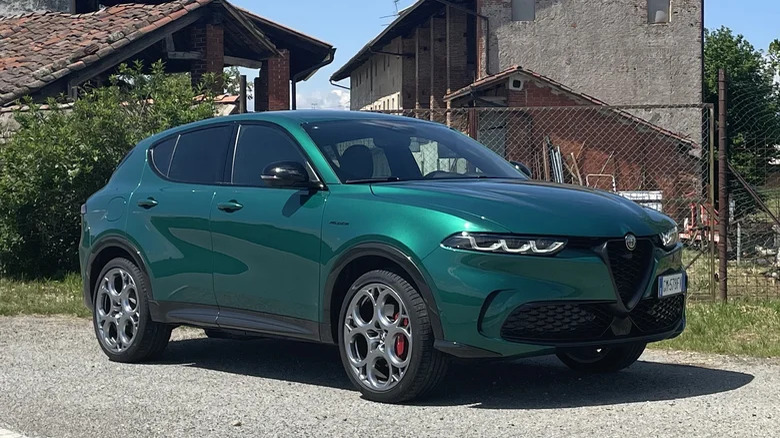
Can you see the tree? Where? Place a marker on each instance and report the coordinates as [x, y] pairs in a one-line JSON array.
[[232, 83], [753, 120], [60, 155]]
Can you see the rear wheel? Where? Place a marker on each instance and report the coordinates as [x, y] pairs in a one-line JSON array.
[[386, 340], [602, 360], [123, 326]]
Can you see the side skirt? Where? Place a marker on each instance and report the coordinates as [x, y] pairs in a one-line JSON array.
[[204, 316]]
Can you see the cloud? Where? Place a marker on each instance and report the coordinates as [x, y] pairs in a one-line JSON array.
[[332, 99]]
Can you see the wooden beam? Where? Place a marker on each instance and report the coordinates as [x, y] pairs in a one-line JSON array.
[[242, 62], [190, 56]]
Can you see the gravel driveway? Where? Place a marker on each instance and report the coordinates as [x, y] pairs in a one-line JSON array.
[[55, 382]]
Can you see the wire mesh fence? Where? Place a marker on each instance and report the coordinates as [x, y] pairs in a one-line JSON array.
[[657, 156], [754, 190]]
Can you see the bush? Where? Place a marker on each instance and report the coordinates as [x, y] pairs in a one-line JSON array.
[[62, 154]]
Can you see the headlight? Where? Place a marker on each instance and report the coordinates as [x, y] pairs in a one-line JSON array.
[[505, 244], [670, 238]]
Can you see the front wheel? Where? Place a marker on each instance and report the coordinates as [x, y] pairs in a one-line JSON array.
[[386, 340], [602, 360]]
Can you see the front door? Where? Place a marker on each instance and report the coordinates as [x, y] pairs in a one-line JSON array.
[[266, 240]]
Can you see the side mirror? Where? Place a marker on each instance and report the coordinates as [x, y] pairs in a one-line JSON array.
[[522, 168], [286, 174]]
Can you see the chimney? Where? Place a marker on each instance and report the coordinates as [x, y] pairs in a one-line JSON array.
[[84, 6]]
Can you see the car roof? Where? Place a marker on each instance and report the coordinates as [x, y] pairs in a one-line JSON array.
[[295, 116]]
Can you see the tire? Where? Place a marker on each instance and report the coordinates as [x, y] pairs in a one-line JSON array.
[[606, 360], [422, 367], [116, 313]]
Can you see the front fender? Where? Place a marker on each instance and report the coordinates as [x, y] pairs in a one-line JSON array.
[[398, 256]]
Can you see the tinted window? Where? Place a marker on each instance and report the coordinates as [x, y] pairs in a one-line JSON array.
[[161, 155], [199, 156], [398, 149], [258, 147]]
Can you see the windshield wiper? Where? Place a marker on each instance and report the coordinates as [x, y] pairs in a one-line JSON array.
[[373, 180]]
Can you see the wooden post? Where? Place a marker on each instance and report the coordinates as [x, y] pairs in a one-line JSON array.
[[473, 124], [242, 95], [723, 189]]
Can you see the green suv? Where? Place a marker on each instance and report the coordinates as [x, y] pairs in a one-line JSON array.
[[403, 242]]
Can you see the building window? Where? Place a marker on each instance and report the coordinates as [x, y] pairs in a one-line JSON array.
[[523, 10], [658, 11]]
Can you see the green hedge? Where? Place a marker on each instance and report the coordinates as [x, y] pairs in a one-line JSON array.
[[60, 155]]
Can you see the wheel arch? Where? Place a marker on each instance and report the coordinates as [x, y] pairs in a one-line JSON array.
[[363, 258], [105, 250]]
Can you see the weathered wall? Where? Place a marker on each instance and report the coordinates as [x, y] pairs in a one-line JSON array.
[[607, 49], [14, 7], [377, 83]]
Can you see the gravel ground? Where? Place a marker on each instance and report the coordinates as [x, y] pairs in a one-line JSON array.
[[55, 382]]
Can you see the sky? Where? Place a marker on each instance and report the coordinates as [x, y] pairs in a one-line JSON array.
[[350, 24]]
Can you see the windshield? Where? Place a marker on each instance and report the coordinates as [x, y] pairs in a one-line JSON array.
[[398, 150]]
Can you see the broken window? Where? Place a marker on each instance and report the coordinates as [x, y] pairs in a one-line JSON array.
[[658, 11], [523, 10]]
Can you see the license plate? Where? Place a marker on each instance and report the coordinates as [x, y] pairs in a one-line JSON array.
[[670, 285]]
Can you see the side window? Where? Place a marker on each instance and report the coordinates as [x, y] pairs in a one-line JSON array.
[[161, 155], [258, 147], [199, 156], [658, 11]]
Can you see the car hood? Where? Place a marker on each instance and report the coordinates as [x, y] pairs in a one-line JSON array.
[[530, 207]]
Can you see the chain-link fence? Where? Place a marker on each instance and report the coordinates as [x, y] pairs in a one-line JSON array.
[[753, 121], [658, 156]]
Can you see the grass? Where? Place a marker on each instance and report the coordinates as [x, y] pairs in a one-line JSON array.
[[741, 327], [745, 328], [43, 297]]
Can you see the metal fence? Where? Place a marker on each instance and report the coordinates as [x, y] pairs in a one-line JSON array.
[[753, 256], [658, 156]]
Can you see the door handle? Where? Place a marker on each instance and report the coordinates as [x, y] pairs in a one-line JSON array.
[[230, 206], [148, 203]]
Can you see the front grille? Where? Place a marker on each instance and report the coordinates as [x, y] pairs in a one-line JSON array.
[[584, 322], [556, 322], [652, 316], [630, 269]]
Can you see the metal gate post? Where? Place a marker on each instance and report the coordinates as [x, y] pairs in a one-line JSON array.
[[723, 189], [711, 207]]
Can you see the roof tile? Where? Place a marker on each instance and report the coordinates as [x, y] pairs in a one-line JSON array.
[[38, 48]]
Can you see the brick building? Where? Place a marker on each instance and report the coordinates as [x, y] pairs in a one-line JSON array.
[[625, 52], [63, 45]]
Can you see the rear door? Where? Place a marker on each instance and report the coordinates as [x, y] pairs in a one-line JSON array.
[[267, 246], [170, 216]]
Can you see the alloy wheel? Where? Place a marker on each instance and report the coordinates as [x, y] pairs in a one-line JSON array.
[[378, 337], [117, 310]]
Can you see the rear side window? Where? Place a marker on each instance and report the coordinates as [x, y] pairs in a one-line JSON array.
[[258, 147], [199, 156], [161, 155]]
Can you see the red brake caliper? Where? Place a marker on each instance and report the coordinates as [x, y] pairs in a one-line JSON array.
[[400, 340]]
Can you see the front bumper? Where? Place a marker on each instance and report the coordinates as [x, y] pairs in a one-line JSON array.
[[494, 305]]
